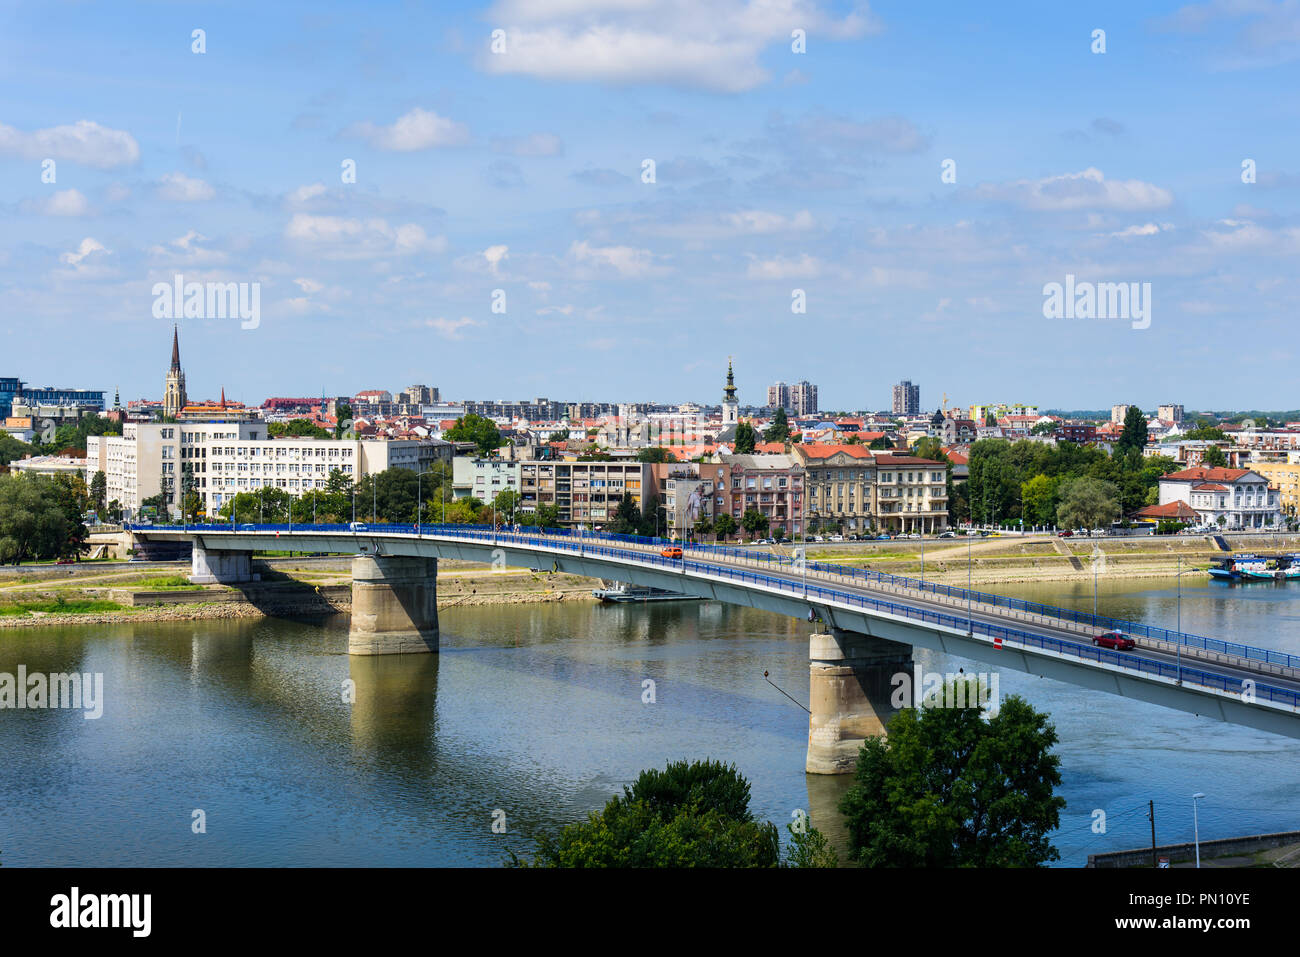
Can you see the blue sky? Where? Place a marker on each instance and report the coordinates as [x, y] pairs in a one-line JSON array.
[[774, 171]]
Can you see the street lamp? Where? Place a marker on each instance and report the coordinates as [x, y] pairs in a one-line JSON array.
[[970, 621], [1196, 826]]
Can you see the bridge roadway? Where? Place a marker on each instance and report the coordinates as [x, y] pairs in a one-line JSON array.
[[1253, 687]]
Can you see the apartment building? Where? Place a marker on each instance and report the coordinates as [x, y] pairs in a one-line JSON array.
[[907, 398], [770, 484], [585, 493], [1285, 477], [840, 483], [221, 459], [803, 398], [483, 479], [911, 494]]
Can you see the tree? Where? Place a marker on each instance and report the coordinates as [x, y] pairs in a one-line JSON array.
[[40, 518], [483, 432], [754, 521], [990, 419], [12, 449], [1044, 428], [627, 517], [1134, 435], [947, 788], [930, 448], [99, 491], [779, 430], [1214, 458], [688, 815], [296, 428], [1038, 498], [561, 435], [505, 503], [883, 443], [1206, 432], [724, 525], [1087, 503], [343, 421], [654, 453], [745, 439]]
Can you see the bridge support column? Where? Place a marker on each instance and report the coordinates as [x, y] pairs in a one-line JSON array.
[[849, 690], [394, 606], [226, 568]]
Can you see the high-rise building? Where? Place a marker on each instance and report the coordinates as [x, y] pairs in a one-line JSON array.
[[803, 398], [174, 389], [1170, 413], [778, 396], [907, 398], [1117, 414]]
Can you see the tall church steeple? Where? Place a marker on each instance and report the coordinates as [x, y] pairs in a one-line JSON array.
[[174, 388], [730, 405]]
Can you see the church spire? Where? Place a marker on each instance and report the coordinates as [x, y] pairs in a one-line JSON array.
[[729, 393], [176, 350]]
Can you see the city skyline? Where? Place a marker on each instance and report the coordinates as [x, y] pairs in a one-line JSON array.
[[777, 188]]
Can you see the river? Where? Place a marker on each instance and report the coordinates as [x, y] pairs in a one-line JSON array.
[[532, 716]]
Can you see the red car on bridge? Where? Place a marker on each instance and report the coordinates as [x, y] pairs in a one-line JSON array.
[[1114, 639]]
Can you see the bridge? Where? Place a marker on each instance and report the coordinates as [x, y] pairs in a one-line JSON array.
[[873, 620]]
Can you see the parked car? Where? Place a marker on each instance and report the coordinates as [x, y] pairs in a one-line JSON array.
[[972, 533], [65, 561], [837, 538], [884, 538], [671, 551], [948, 534], [1065, 533], [1114, 639]]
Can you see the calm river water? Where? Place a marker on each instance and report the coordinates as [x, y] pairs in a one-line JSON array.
[[533, 715]]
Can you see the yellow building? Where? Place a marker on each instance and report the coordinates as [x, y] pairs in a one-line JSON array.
[[1285, 477]]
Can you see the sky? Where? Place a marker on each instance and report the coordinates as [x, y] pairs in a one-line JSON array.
[[603, 200]]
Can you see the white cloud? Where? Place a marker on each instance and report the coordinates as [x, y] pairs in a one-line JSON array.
[[66, 202], [309, 286], [418, 129], [451, 328], [716, 46], [87, 247], [343, 238], [1149, 229], [304, 194], [494, 256], [1088, 189], [626, 261], [805, 267], [534, 144], [83, 142], [179, 188]]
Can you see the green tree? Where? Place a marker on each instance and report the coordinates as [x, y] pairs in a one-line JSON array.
[[754, 522], [884, 443], [343, 421], [931, 448], [296, 428], [11, 449], [99, 491], [1206, 432], [1038, 498], [654, 453], [688, 815], [483, 432], [1214, 458], [779, 430], [947, 788], [561, 435], [745, 439], [40, 517], [627, 517], [1044, 428], [1134, 435], [1087, 503], [724, 526]]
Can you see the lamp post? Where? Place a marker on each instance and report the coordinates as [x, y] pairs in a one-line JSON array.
[[970, 620], [1196, 826]]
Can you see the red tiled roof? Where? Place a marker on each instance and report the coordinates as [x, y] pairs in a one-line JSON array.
[[1209, 487], [824, 451], [1202, 474], [1177, 509], [904, 460]]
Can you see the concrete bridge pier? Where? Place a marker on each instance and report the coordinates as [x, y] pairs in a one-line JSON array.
[[225, 568], [849, 690], [394, 605]]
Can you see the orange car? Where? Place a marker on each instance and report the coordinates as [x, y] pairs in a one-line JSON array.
[[671, 551]]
